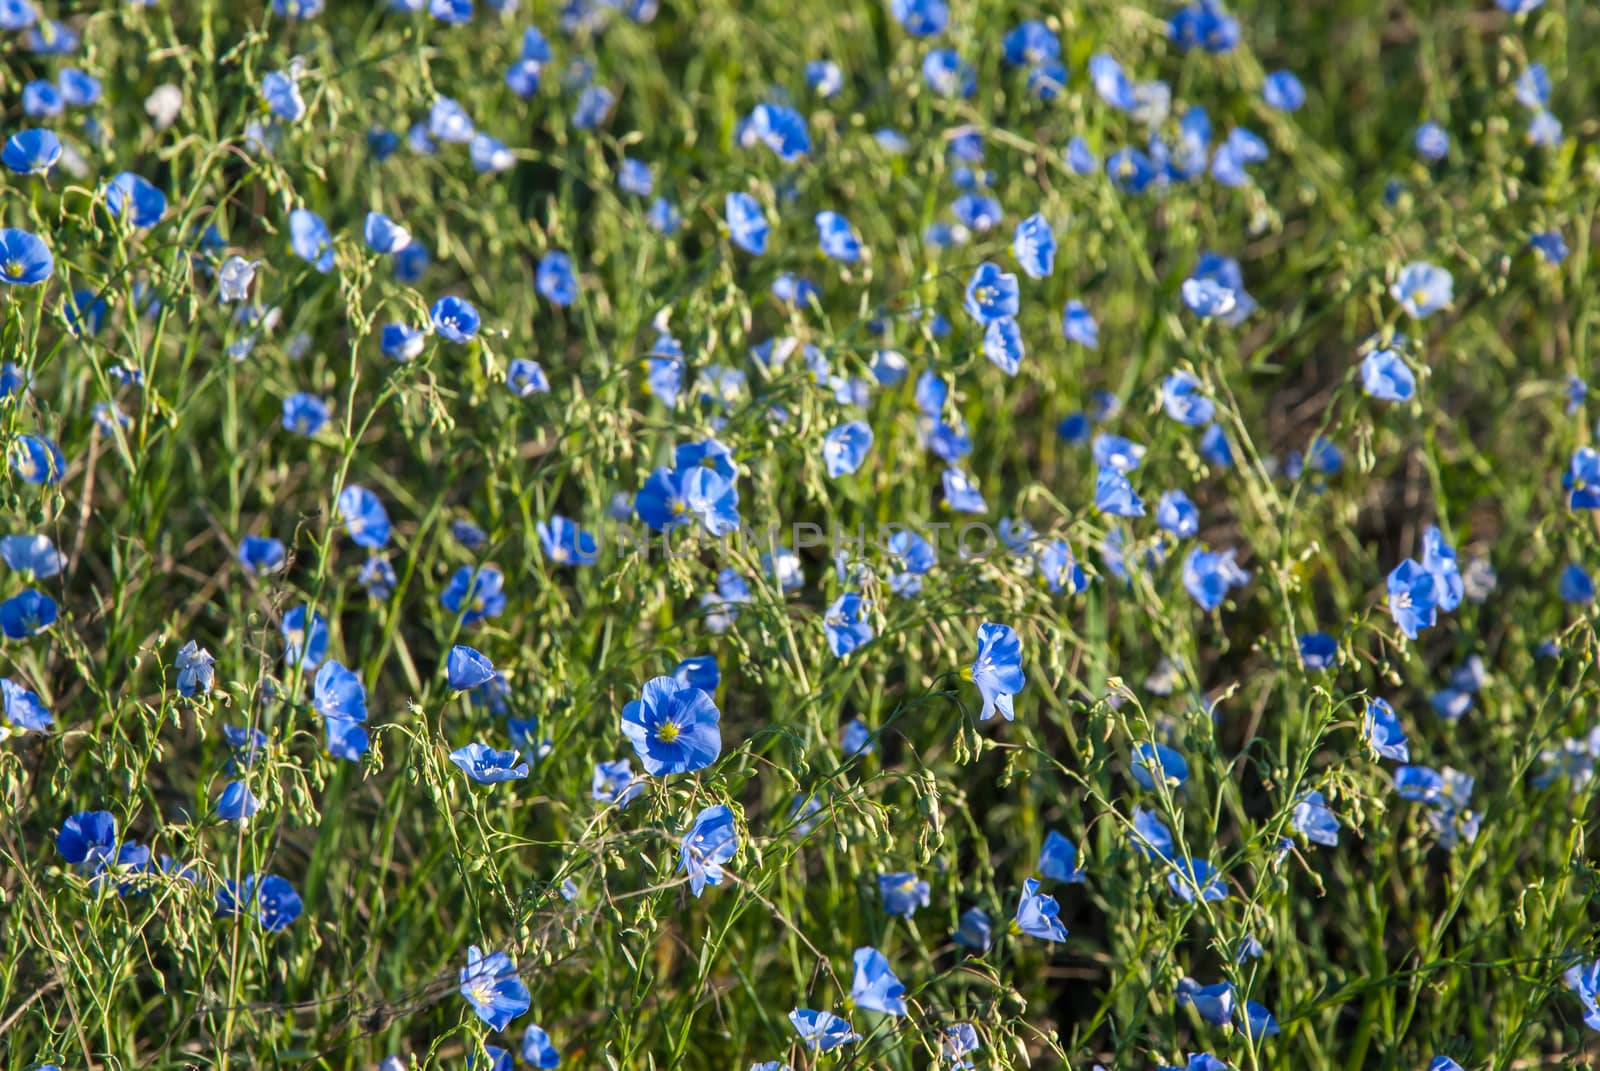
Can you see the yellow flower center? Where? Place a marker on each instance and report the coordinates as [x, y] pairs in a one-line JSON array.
[[1419, 296], [14, 268], [667, 732]]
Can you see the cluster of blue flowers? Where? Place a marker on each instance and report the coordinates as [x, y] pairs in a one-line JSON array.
[[456, 469]]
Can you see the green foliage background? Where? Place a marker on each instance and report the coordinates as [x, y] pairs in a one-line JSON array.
[[1379, 953]]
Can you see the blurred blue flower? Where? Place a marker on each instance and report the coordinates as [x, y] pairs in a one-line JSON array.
[[1422, 289], [23, 708], [196, 671], [974, 931], [845, 624], [709, 844], [822, 1031], [487, 766], [1195, 879], [537, 1049], [1078, 325], [476, 594], [456, 319], [615, 783], [1034, 245], [1184, 400], [1114, 495], [1177, 514], [1413, 598], [555, 279], [1431, 142], [305, 637], [1575, 585], [1058, 859], [1318, 650], [991, 294], [467, 668], [836, 238], [34, 555], [311, 240], [845, 448], [237, 803], [875, 986], [31, 152], [1314, 821], [1213, 1003], [493, 988], [1385, 376], [1152, 761], [27, 614], [902, 893], [1283, 91]]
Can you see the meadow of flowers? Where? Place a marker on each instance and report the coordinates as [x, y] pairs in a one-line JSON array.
[[748, 534]]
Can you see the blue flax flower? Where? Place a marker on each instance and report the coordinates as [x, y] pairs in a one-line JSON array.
[[27, 614], [991, 294], [846, 625], [1034, 245], [24, 709], [1422, 289], [311, 240], [365, 519], [476, 594], [487, 766], [456, 319], [31, 152], [565, 543], [196, 670], [1582, 479], [707, 847], [875, 986], [467, 668], [537, 1049], [1413, 598], [1213, 1003], [25, 259], [845, 448], [135, 200], [822, 1031], [674, 727], [1195, 879], [1383, 731], [997, 671], [1058, 859], [1386, 376], [1114, 495], [1152, 761], [493, 988], [903, 892], [1314, 821], [974, 931], [1037, 914]]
